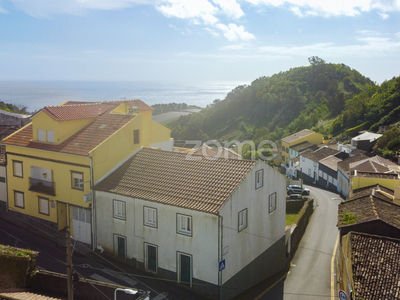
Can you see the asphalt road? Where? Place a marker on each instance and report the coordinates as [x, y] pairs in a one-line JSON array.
[[310, 275], [173, 115]]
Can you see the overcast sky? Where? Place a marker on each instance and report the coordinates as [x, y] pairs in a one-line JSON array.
[[194, 40]]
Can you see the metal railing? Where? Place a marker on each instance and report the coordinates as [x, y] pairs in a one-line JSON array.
[[42, 186]]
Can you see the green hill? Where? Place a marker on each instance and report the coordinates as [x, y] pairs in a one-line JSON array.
[[272, 107]]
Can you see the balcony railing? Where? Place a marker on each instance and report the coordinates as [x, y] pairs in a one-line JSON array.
[[42, 186]]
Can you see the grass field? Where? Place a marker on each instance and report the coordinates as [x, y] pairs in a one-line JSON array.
[[291, 216]]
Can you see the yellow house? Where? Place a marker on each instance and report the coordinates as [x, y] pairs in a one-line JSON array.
[[53, 162], [365, 179], [304, 135]]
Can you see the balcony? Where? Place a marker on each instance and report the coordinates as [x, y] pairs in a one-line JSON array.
[[42, 186]]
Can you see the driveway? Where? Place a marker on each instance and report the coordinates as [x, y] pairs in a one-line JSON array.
[[310, 275]]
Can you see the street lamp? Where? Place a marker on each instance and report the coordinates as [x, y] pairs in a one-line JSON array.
[[127, 291]]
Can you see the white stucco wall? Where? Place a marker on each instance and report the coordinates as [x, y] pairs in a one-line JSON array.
[[167, 145], [263, 228], [306, 165], [202, 245]]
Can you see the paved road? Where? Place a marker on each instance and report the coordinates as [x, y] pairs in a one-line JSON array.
[[173, 115], [310, 274]]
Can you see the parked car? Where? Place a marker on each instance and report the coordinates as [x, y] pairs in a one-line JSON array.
[[295, 197], [296, 189]]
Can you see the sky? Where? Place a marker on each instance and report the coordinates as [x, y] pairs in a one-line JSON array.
[[194, 40]]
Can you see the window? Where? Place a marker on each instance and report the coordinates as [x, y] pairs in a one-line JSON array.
[[41, 135], [50, 136], [19, 200], [17, 168], [136, 139], [184, 269], [315, 164], [151, 258], [184, 224], [77, 180], [287, 150], [283, 148], [259, 178], [119, 209], [150, 216], [242, 219], [272, 202], [44, 206]]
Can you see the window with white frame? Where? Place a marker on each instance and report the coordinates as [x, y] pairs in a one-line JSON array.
[[17, 168], [184, 224], [242, 222], [119, 209], [259, 178], [150, 216], [41, 135], [50, 136], [44, 206], [77, 180], [19, 200], [315, 164], [303, 159], [272, 202]]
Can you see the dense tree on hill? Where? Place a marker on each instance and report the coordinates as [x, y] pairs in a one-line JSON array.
[[286, 102]]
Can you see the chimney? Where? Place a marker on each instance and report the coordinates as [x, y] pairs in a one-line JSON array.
[[396, 199]]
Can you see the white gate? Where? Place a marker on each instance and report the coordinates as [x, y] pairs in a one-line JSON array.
[[81, 225]]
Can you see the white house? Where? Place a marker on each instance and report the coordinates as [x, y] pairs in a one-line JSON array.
[[212, 224]]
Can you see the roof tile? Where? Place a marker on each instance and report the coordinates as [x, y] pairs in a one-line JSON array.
[[193, 182]]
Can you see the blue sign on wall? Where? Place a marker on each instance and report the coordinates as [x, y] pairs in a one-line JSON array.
[[221, 265]]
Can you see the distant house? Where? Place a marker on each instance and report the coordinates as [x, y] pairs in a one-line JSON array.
[[309, 165], [304, 135], [216, 226], [369, 266], [365, 141], [5, 130], [343, 173], [292, 171], [370, 214]]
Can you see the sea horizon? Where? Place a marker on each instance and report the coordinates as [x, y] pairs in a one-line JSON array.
[[36, 94]]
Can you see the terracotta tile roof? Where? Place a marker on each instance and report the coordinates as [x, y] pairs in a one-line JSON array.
[[80, 143], [297, 135], [375, 265], [378, 191], [25, 296], [190, 181], [344, 165], [76, 112], [319, 154], [370, 208]]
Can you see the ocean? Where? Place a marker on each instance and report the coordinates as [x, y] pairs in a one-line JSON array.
[[35, 95]]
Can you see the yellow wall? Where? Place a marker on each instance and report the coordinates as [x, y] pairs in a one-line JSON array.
[[62, 130], [360, 182], [345, 268], [315, 138], [61, 166], [120, 146]]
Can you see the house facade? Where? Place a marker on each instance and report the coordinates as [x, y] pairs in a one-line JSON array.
[[304, 135], [53, 162], [214, 225]]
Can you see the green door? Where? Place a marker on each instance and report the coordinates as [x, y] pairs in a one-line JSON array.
[[121, 244], [152, 258], [185, 269]]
